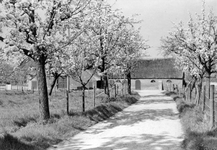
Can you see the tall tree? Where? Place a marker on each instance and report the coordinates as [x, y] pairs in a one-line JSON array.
[[38, 29], [195, 47], [82, 62], [107, 26], [6, 72], [131, 46]]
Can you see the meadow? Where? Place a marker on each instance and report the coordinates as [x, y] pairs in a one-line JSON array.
[[20, 124]]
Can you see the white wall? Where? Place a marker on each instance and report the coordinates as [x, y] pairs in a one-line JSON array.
[[146, 83]]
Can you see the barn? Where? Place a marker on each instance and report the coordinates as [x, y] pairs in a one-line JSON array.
[[149, 73], [153, 73], [62, 81], [146, 74]]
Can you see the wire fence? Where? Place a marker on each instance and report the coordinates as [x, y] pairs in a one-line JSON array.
[[14, 87], [206, 100]]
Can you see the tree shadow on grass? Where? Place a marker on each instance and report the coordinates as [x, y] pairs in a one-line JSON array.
[[8, 142], [22, 122]]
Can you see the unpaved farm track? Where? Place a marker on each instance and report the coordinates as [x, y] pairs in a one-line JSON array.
[[150, 124]]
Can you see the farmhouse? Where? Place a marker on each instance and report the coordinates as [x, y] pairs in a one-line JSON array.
[[146, 74], [152, 72], [62, 81], [75, 84]]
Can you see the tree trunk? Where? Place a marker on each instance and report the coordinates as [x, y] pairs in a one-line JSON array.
[[67, 102], [42, 89], [56, 76], [83, 98], [106, 85], [208, 85], [199, 91], [129, 83], [184, 84], [22, 87]]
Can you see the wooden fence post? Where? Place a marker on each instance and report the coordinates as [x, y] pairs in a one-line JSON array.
[[122, 90], [204, 98], [67, 94], [212, 115], [67, 102], [115, 90], [177, 88], [190, 92], [94, 95]]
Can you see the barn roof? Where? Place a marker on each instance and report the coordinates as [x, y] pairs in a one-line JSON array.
[[156, 68]]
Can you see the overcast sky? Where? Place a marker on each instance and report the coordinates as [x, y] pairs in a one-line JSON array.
[[159, 16]]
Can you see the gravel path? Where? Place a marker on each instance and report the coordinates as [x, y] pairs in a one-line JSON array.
[[150, 124]]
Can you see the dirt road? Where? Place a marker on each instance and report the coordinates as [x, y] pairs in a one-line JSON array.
[[150, 124]]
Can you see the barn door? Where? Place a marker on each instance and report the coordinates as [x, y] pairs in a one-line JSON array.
[[138, 85]]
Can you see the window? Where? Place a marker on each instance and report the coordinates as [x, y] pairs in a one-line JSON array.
[[153, 81], [169, 81]]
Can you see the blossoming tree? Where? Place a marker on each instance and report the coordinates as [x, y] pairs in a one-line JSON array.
[[108, 26], [131, 46], [195, 47], [39, 30], [82, 63]]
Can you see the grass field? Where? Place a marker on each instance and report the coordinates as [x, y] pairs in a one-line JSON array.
[[19, 117]]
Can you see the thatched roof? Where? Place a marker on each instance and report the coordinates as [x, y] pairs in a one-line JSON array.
[[158, 68]]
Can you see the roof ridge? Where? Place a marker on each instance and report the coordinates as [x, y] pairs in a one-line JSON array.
[[156, 58]]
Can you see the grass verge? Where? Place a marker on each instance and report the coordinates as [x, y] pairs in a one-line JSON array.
[[25, 132], [198, 136]]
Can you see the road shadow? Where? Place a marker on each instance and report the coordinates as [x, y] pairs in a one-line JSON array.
[[145, 110], [142, 142], [102, 112], [131, 118], [105, 111]]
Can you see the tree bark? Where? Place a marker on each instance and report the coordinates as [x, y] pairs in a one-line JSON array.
[[129, 83], [83, 98], [106, 85], [208, 85], [56, 76], [200, 84], [67, 102], [42, 89]]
